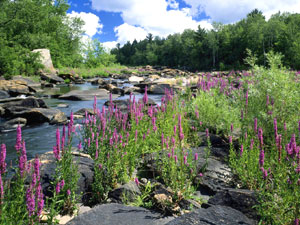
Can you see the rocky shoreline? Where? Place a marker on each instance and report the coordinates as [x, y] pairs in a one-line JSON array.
[[218, 200]]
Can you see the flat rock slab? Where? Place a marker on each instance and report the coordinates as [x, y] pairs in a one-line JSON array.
[[216, 215], [118, 214], [86, 95]]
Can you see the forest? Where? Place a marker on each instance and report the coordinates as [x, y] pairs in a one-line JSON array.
[[222, 48], [30, 24]]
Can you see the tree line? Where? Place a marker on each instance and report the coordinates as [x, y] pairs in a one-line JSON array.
[[221, 48], [32, 24]]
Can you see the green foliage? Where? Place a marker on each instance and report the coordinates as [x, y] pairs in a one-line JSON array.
[[32, 24], [222, 47]]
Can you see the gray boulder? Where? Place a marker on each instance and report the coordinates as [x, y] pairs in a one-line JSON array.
[[118, 214], [215, 215], [85, 169], [51, 78], [13, 124], [85, 95], [159, 88], [3, 94]]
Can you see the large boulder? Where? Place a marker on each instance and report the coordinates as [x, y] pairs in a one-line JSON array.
[[45, 59], [85, 170], [118, 214], [159, 88], [240, 199], [13, 124], [213, 215], [37, 115], [51, 77], [84, 95], [122, 104], [14, 87]]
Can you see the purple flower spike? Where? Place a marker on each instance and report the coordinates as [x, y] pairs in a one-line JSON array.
[[261, 158], [1, 189], [136, 180], [57, 189], [255, 125], [2, 159], [196, 156], [207, 133], [242, 150], [145, 97], [18, 145], [30, 201]]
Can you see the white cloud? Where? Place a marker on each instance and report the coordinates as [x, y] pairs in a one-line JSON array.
[[148, 16], [92, 24], [126, 32], [228, 11], [109, 45]]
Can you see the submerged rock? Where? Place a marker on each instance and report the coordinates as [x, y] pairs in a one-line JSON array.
[[118, 214]]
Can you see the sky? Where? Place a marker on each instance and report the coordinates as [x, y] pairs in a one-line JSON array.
[[119, 21]]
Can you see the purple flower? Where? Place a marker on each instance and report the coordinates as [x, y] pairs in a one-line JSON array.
[[185, 159], [136, 135], [175, 158], [62, 184], [30, 201], [169, 155], [145, 97], [57, 140], [68, 192], [261, 158], [174, 130], [22, 160], [275, 127], [1, 189], [230, 139], [57, 189], [251, 144], [242, 150], [231, 128], [2, 159], [56, 152], [136, 180], [255, 125], [79, 146], [296, 222], [18, 145], [207, 133], [196, 156]]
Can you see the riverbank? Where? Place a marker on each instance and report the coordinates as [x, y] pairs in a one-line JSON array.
[[173, 157]]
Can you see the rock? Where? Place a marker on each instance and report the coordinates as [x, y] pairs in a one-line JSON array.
[[118, 91], [30, 102], [2, 111], [239, 199], [149, 103], [215, 140], [128, 90], [81, 112], [135, 79], [13, 124], [154, 77], [45, 59], [84, 95], [29, 82], [51, 78], [130, 190], [59, 118], [48, 85], [14, 87], [3, 94], [63, 106], [98, 81], [72, 77], [159, 88], [122, 104], [36, 115], [217, 174], [85, 170], [213, 215], [118, 214]]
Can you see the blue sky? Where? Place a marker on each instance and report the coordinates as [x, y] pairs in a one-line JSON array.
[[119, 21]]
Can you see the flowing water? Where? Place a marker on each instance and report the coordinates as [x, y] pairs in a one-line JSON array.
[[41, 138]]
